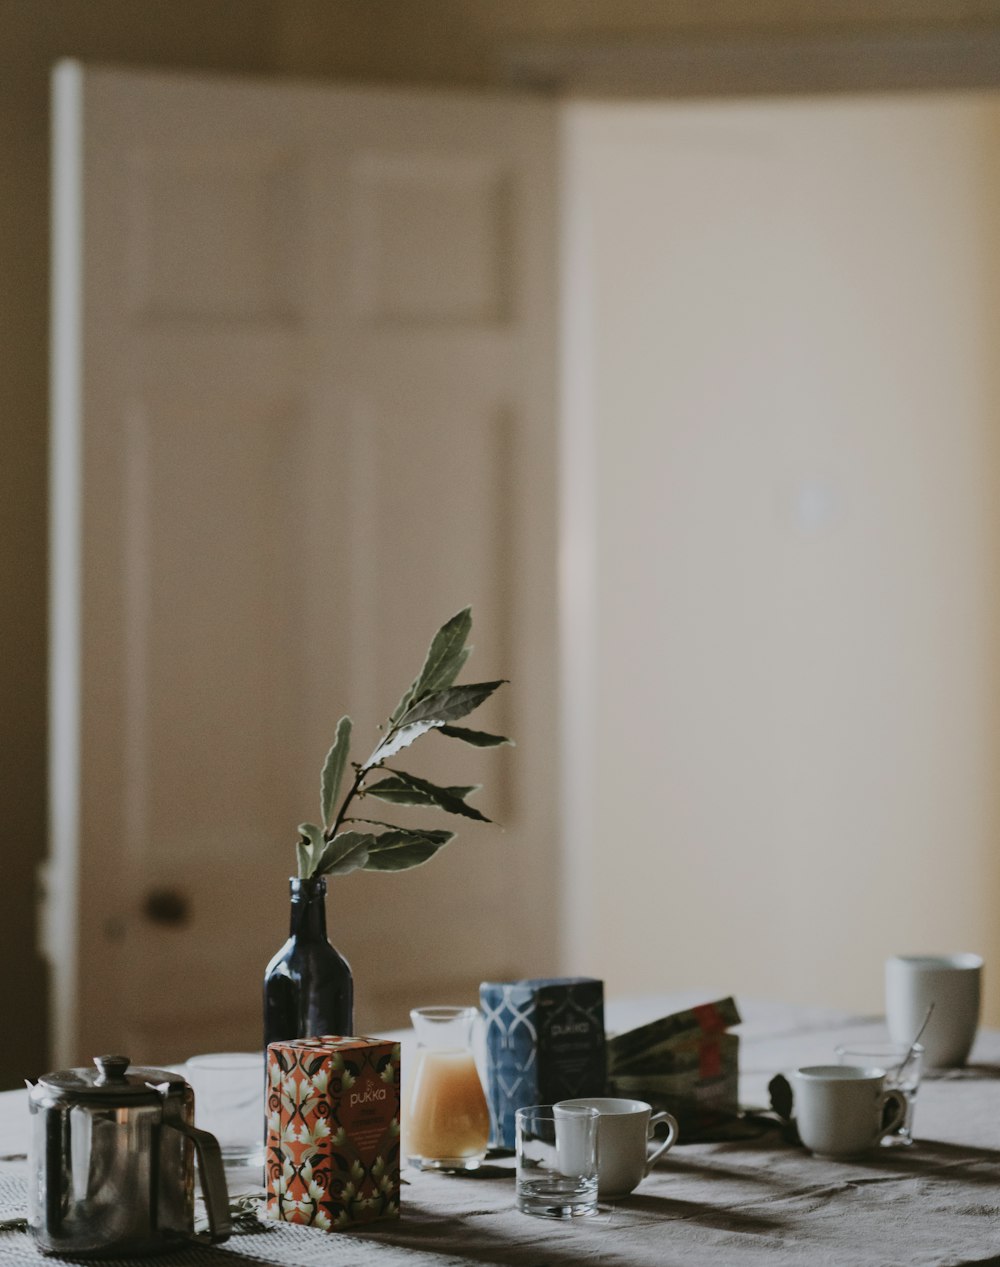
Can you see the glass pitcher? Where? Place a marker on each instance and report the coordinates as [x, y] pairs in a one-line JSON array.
[[447, 1121]]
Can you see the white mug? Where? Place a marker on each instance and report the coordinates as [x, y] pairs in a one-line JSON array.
[[952, 983], [840, 1109], [624, 1131]]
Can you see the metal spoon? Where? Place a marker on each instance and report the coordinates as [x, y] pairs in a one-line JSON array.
[[913, 1046]]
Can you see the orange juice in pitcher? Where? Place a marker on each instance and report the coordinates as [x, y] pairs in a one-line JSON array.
[[446, 1124]]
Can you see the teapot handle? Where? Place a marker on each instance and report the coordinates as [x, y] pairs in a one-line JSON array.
[[213, 1177]]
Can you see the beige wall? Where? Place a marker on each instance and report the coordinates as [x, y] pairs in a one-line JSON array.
[[442, 41], [794, 408]]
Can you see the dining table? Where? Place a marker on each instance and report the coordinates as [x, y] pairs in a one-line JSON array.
[[751, 1195]]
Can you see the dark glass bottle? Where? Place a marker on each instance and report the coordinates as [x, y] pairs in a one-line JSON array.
[[308, 987]]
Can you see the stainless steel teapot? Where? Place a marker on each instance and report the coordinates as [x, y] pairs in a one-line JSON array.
[[111, 1162]]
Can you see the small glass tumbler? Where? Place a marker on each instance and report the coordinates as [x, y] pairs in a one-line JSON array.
[[229, 1102], [556, 1160], [899, 1077], [447, 1121]]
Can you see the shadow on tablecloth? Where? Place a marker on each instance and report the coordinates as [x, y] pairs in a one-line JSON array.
[[967, 1073]]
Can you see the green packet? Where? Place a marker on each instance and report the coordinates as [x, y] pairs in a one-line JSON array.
[[670, 1087], [682, 1057], [705, 1108], [658, 1038]]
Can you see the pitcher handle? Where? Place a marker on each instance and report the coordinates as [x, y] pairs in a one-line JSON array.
[[672, 1133], [213, 1178]]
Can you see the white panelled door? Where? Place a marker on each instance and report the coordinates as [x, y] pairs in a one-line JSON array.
[[303, 412]]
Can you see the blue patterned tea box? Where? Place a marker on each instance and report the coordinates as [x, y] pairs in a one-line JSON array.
[[544, 1042]]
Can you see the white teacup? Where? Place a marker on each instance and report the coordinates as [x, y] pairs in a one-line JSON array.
[[952, 983], [625, 1129], [840, 1109]]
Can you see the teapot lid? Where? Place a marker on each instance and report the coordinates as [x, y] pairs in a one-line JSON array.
[[112, 1079]]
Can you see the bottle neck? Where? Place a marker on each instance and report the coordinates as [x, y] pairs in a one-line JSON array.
[[308, 913]]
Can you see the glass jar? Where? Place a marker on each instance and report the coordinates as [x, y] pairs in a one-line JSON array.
[[447, 1121]]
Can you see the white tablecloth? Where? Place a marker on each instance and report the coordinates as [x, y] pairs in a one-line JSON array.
[[758, 1201]]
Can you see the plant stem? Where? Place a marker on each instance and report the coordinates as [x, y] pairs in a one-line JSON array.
[[355, 786]]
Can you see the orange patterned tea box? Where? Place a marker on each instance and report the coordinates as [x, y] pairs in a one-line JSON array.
[[333, 1131]]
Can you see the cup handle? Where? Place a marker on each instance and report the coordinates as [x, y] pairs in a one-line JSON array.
[[672, 1133], [898, 1099]]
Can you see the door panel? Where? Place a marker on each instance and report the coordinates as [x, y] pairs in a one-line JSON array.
[[316, 418]]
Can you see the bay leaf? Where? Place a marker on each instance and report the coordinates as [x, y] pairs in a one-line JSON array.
[[478, 738], [443, 662], [400, 791], [346, 852], [333, 768], [402, 849], [449, 704], [443, 797]]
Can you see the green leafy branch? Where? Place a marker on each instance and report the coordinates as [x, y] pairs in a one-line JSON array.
[[431, 702]]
